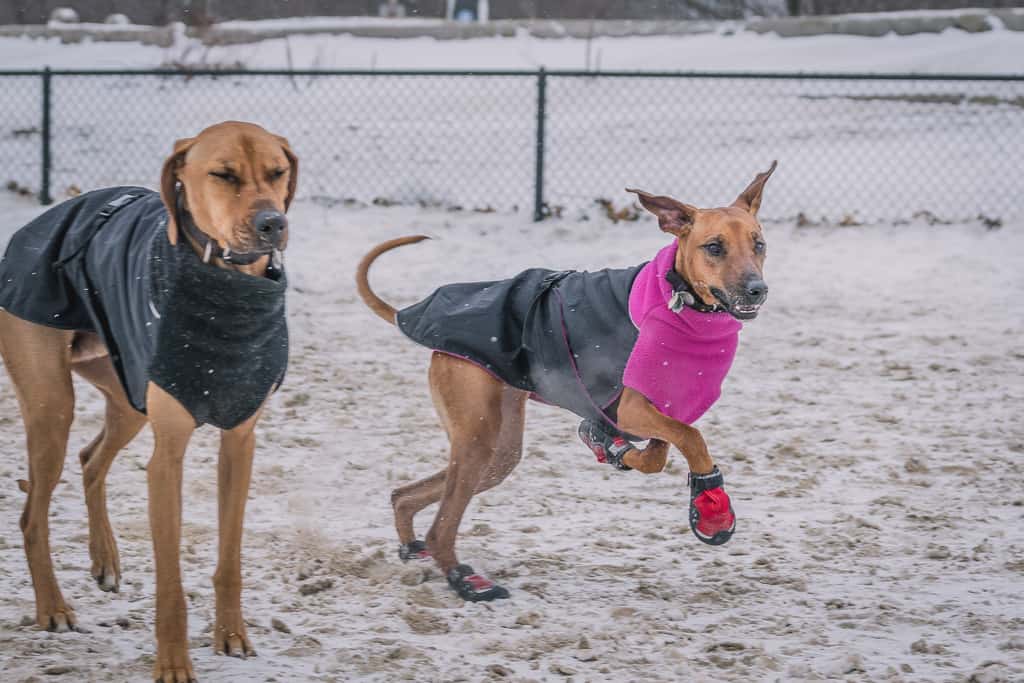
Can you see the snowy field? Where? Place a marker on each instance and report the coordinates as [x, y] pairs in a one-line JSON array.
[[867, 150], [870, 433], [870, 430]]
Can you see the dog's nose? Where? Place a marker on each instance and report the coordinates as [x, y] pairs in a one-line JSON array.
[[270, 226], [756, 290]]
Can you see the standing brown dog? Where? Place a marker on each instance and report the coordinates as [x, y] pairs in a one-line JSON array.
[[717, 267], [220, 219]]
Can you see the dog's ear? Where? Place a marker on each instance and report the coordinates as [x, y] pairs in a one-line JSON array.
[[293, 175], [674, 217], [750, 198], [168, 182]]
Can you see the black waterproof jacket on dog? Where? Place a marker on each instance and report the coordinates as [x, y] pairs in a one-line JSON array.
[[564, 336], [214, 339]]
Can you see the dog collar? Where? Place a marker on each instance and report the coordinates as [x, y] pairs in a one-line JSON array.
[[212, 248], [683, 295]]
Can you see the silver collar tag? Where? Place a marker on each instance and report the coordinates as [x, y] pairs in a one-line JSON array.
[[679, 300]]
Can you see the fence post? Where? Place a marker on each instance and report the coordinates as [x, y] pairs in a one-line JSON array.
[[44, 185], [538, 182]]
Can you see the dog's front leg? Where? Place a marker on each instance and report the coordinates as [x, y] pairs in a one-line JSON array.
[[711, 515], [636, 415], [234, 471], [650, 460], [172, 429]]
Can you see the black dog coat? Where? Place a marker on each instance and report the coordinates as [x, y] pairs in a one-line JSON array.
[[214, 339], [563, 336]]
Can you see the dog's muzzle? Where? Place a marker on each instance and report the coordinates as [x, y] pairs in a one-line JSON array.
[[745, 304], [270, 226]]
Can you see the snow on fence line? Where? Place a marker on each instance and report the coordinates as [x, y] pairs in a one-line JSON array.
[[971, 20], [851, 147]]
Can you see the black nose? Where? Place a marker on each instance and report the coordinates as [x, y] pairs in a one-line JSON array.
[[756, 290], [270, 226]]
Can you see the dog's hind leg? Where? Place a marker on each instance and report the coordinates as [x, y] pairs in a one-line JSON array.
[[470, 402], [408, 500], [38, 360], [509, 450], [121, 423]]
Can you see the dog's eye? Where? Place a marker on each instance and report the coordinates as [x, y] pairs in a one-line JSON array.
[[277, 173], [714, 249], [226, 176], [759, 247]]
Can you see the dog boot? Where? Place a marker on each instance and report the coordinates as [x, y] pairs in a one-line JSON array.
[[711, 515], [472, 586], [414, 550], [607, 447]]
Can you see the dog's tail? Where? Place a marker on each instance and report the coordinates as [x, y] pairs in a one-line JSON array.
[[376, 304]]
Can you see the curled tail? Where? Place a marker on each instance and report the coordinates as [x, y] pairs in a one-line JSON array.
[[376, 304]]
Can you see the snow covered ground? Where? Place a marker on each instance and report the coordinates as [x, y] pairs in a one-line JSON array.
[[870, 429], [870, 433]]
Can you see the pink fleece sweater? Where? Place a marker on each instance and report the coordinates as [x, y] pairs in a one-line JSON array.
[[680, 359]]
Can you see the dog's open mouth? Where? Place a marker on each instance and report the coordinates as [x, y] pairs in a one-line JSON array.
[[745, 312], [735, 307], [250, 256]]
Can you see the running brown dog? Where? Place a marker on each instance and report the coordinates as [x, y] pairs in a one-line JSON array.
[[151, 297], [496, 344]]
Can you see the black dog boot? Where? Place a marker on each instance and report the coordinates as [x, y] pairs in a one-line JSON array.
[[607, 447], [415, 550], [711, 515], [472, 586]]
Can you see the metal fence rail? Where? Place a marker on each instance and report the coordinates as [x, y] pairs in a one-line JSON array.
[[850, 145]]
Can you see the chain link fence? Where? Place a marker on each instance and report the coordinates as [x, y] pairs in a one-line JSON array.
[[868, 148], [850, 147]]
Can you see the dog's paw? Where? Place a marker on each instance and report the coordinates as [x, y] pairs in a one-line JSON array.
[[712, 518], [607, 448], [232, 641], [106, 568], [173, 665], [182, 675], [415, 551], [474, 587], [107, 578], [58, 620]]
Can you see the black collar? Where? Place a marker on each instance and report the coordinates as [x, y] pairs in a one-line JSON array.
[[683, 295], [210, 247]]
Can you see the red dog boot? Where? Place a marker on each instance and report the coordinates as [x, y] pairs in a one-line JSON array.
[[607, 448], [711, 516], [474, 587], [415, 551]]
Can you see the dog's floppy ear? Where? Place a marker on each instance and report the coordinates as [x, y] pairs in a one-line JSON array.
[[293, 175], [674, 217], [168, 181], [750, 198]]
